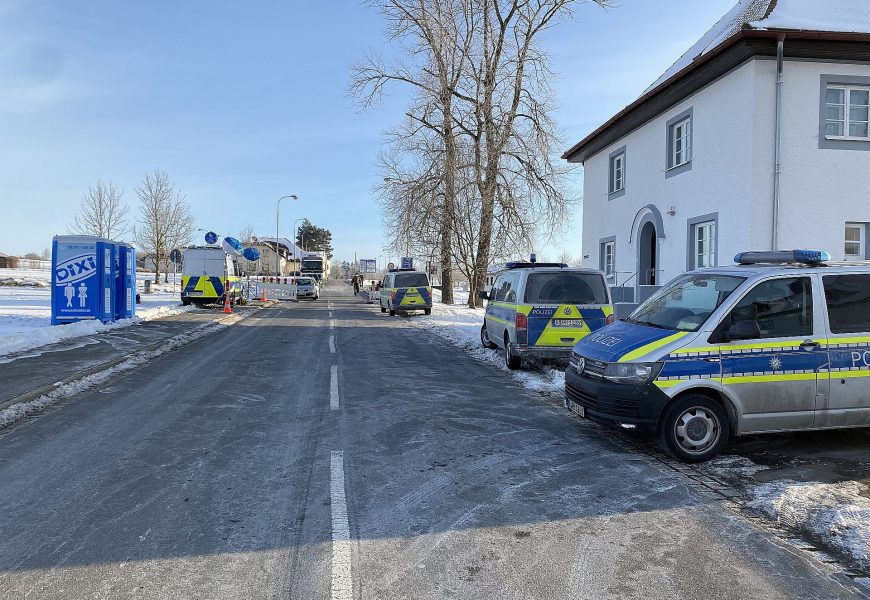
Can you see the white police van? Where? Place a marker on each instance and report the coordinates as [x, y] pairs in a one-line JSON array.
[[778, 342]]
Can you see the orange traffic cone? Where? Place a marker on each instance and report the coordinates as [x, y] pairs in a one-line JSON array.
[[263, 295], [227, 308]]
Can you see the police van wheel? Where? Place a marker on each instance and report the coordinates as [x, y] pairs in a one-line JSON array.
[[383, 310], [392, 312], [484, 339], [694, 429], [511, 361], [185, 302], [427, 311]]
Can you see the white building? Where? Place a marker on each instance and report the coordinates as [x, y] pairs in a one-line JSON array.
[[686, 176]]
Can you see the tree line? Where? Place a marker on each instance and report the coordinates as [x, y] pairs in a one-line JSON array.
[[471, 173], [165, 220]]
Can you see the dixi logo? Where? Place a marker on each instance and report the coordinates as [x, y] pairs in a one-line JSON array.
[[76, 269]]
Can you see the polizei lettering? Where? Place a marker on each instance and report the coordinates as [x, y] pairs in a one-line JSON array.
[[861, 359], [76, 269], [604, 339]]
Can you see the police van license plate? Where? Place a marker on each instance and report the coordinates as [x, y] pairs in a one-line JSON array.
[[195, 293], [572, 323], [574, 407]]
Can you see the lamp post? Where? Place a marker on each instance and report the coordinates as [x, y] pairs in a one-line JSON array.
[[277, 253]]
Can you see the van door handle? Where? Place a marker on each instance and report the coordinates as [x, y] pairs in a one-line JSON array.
[[810, 344]]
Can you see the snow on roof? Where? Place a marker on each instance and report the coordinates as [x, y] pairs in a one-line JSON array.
[[733, 21], [832, 16], [842, 16]]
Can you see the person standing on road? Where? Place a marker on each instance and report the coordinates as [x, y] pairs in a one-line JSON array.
[[356, 279]]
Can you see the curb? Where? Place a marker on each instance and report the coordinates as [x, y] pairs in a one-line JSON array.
[[105, 366]]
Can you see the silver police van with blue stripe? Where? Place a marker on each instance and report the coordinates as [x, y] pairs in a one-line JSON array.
[[778, 342]]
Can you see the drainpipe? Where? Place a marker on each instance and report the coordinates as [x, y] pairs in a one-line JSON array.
[[777, 147]]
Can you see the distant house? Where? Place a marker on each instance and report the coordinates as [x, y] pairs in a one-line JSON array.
[[289, 256], [8, 262], [718, 156]]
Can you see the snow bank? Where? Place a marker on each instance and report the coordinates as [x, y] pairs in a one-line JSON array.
[[836, 515], [25, 311], [460, 326]]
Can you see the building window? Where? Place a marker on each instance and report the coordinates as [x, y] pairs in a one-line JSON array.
[[704, 244], [617, 173], [608, 257], [847, 112], [702, 241], [855, 240], [681, 143]]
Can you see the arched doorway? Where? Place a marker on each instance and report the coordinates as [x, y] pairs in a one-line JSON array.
[[648, 255]]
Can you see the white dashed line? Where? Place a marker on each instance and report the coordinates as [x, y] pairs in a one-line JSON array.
[[333, 388], [332, 323], [332, 344], [330, 314], [342, 578]]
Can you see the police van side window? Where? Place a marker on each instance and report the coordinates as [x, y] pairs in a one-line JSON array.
[[500, 288], [513, 283], [780, 307], [848, 300]]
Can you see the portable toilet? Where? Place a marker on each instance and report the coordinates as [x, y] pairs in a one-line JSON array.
[[125, 281], [81, 279]]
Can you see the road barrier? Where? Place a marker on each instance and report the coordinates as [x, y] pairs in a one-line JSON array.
[[274, 288]]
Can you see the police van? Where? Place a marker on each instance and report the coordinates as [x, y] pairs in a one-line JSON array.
[[207, 273], [540, 310], [404, 291], [778, 342]]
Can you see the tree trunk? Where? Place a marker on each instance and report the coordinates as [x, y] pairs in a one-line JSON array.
[[447, 211]]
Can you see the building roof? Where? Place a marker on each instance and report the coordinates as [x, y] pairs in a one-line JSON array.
[[815, 19], [295, 251]]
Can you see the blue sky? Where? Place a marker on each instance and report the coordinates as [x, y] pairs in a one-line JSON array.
[[241, 103]]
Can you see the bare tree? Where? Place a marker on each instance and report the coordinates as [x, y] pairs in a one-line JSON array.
[[246, 235], [165, 218], [101, 212]]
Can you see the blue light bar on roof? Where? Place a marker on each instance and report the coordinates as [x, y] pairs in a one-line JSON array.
[[783, 257]]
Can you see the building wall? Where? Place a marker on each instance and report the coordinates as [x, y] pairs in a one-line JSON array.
[[732, 173], [719, 182], [822, 188]]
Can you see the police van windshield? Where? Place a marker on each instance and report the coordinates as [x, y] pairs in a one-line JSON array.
[[686, 302], [565, 287], [411, 280]]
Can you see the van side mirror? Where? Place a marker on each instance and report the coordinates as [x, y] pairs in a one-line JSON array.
[[483, 295], [744, 330]]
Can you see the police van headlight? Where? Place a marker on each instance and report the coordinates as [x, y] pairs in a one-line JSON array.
[[632, 372]]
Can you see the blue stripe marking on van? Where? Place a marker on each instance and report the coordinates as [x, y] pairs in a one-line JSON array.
[[191, 285], [218, 284]]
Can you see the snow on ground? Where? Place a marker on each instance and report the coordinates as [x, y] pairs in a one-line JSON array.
[[25, 310], [836, 514], [460, 326]]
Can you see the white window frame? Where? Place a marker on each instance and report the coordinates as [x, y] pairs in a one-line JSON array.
[[704, 248], [608, 251], [862, 241], [617, 173], [683, 126], [847, 105]]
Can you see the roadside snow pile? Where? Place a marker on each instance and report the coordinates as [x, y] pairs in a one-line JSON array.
[[25, 318], [25, 278], [836, 514], [730, 467], [460, 326]]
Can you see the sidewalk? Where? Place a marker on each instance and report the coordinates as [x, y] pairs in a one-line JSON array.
[[39, 368]]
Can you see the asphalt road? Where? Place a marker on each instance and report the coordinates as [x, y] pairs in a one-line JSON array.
[[257, 463]]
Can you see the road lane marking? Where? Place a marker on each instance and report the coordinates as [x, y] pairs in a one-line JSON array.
[[332, 323], [332, 344], [342, 578], [330, 314], [333, 387]]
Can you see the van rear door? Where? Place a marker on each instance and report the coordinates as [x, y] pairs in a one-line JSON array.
[[564, 306]]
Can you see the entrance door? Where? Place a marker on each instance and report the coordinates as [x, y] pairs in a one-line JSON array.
[[648, 260]]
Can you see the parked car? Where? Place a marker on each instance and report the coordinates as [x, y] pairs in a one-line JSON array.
[[540, 310], [778, 342], [307, 287], [406, 291]]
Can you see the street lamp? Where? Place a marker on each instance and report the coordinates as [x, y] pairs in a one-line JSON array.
[[277, 253]]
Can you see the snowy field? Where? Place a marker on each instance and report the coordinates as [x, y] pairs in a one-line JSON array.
[[25, 310]]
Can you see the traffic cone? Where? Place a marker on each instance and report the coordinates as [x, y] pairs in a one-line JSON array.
[[263, 294], [227, 308]]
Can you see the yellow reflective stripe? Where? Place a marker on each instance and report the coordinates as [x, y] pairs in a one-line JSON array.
[[646, 349], [850, 374], [502, 321], [607, 310], [668, 383], [755, 346], [769, 378]]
